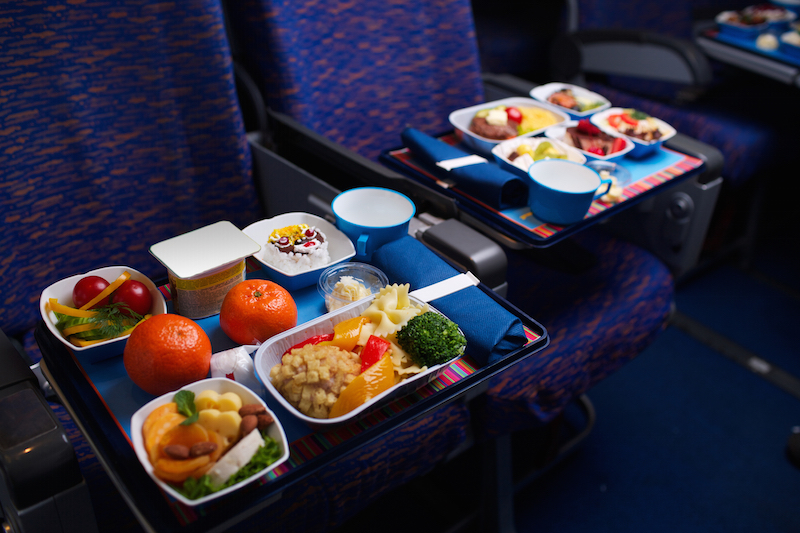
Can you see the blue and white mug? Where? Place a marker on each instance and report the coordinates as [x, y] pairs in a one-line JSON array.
[[561, 192], [372, 217]]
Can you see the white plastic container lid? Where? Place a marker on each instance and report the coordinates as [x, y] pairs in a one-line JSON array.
[[200, 252]]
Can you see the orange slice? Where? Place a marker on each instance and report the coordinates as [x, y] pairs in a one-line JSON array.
[[178, 470], [157, 432], [185, 435], [373, 381], [155, 414]]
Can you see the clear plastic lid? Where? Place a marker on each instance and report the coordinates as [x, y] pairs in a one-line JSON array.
[[346, 283]]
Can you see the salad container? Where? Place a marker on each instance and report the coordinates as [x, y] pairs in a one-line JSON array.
[[589, 101], [62, 290], [641, 148]]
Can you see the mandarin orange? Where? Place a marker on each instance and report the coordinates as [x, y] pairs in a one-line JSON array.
[[166, 352], [255, 310]]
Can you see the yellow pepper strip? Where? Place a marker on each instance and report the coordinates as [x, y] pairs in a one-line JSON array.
[[346, 333], [108, 290], [79, 328], [69, 311], [371, 382]]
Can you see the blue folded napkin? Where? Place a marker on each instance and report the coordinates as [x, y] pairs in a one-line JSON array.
[[484, 181], [491, 330]]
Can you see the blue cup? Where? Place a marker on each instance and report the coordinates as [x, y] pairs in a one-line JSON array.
[[561, 192], [372, 217]]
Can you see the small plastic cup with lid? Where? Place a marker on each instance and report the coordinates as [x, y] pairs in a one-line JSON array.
[[346, 283]]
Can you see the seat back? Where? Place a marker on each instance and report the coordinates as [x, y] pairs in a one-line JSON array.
[[119, 128], [358, 72]]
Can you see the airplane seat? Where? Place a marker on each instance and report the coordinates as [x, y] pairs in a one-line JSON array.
[[120, 129], [358, 73], [720, 105]]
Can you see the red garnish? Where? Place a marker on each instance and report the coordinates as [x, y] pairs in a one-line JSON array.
[[595, 150], [584, 126], [619, 144], [316, 339], [514, 114]]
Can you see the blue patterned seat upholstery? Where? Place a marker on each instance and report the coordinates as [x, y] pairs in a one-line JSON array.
[[345, 70], [727, 116], [359, 72], [602, 306], [119, 128]]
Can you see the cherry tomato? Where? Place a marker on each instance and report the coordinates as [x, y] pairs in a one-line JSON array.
[[87, 288], [514, 114], [595, 150], [614, 120], [135, 295]]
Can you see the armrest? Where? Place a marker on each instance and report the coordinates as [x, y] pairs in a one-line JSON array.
[[41, 485], [633, 53]]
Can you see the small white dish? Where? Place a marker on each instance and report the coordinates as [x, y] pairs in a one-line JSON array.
[[62, 290], [220, 386], [505, 149], [543, 92], [559, 133], [728, 22], [462, 118], [790, 43], [641, 148], [340, 247], [271, 352]]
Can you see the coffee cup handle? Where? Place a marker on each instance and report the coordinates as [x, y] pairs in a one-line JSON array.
[[361, 244], [608, 183]]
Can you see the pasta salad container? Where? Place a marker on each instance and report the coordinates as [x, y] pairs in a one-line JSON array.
[[271, 352]]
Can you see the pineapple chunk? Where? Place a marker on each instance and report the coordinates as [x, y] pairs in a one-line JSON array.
[[230, 401], [226, 423]]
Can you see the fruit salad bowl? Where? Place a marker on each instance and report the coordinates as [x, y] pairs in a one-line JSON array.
[[218, 387]]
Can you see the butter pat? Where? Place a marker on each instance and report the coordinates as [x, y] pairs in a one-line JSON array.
[[236, 458], [497, 117]]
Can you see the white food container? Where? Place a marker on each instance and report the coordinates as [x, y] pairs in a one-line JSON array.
[[340, 248], [62, 290], [221, 386], [461, 119], [270, 353]]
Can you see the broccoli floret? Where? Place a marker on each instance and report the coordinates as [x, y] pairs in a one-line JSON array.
[[431, 339]]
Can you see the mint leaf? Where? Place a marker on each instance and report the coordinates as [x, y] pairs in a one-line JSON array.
[[185, 402]]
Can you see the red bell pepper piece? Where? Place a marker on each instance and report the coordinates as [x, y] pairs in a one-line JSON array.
[[629, 119], [316, 339], [619, 144], [373, 351], [595, 150]]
